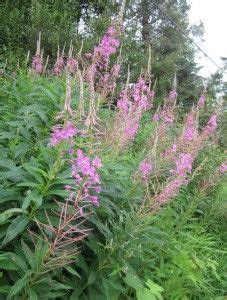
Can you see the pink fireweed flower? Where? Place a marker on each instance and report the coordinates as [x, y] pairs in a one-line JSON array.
[[123, 103], [59, 134], [37, 64], [84, 171], [211, 125], [170, 151], [142, 96], [97, 163], [183, 164], [71, 151], [145, 168], [172, 96], [109, 44], [115, 70], [223, 168], [68, 187], [170, 191], [156, 117], [131, 128], [167, 116], [190, 129], [72, 65], [201, 101], [59, 65]]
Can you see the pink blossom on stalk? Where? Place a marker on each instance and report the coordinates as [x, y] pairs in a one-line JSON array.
[[183, 164], [115, 70], [172, 96], [37, 64], [156, 117], [167, 116], [170, 151], [211, 125], [142, 96], [72, 64], [68, 187], [223, 168], [171, 190], [131, 128], [59, 65], [84, 171], [201, 101], [123, 102], [71, 151], [145, 168], [97, 163], [190, 129], [59, 134], [108, 44]]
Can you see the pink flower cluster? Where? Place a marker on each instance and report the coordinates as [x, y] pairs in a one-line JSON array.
[[142, 95], [171, 190], [131, 126], [131, 108], [131, 105], [172, 96], [72, 65], [145, 168], [211, 126], [201, 101], [190, 130], [167, 116], [223, 168], [84, 171], [171, 151], [123, 102], [107, 82], [59, 65], [183, 165], [59, 134], [156, 117], [37, 64], [108, 44]]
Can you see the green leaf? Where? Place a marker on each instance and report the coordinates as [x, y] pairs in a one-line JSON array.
[[72, 271], [19, 285], [32, 295], [92, 276], [7, 135], [153, 292], [59, 286], [19, 261], [60, 193], [6, 263], [133, 281], [33, 172], [32, 197], [28, 184], [4, 290], [20, 149], [9, 213], [15, 228], [29, 255]]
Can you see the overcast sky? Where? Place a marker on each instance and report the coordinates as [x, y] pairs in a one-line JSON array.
[[214, 16]]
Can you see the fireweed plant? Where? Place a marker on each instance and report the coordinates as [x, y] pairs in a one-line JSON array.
[[103, 201]]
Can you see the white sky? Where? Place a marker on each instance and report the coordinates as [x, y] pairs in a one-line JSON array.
[[213, 14]]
